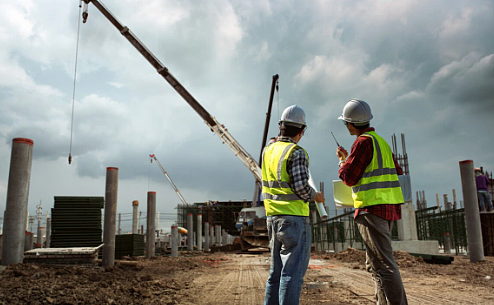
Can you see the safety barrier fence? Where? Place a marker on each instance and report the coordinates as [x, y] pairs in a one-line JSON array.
[[447, 227]]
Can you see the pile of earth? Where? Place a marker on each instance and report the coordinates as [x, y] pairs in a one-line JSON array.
[[162, 280]]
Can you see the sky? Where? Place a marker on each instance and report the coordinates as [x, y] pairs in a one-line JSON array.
[[426, 68]]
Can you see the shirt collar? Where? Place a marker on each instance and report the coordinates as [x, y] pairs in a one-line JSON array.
[[285, 139]]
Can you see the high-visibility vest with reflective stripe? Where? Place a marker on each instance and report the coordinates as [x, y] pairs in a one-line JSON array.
[[379, 184], [279, 198]]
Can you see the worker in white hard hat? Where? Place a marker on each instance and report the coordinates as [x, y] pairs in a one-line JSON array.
[[286, 193], [372, 172]]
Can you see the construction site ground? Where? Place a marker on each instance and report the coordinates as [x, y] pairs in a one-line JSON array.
[[227, 278]]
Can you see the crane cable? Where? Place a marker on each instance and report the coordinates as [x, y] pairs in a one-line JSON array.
[[75, 77]]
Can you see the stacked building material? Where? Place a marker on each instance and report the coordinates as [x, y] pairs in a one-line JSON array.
[[129, 245], [63, 256], [76, 222]]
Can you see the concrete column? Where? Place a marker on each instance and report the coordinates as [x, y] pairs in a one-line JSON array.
[[447, 243], [199, 232], [314, 221], [39, 237], [28, 241], [218, 234], [212, 238], [472, 216], [48, 232], [1, 245], [151, 225], [110, 216], [174, 241], [337, 245], [224, 237], [135, 208], [206, 236], [190, 232], [17, 201], [119, 223], [447, 206], [455, 206], [407, 225]]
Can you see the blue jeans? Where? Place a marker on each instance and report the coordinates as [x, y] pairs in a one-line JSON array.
[[484, 196], [290, 242]]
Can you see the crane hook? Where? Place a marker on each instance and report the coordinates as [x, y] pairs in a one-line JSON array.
[[85, 13]]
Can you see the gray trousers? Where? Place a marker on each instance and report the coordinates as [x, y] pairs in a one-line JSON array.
[[376, 233]]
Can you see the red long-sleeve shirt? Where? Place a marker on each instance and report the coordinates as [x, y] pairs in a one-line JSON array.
[[353, 169]]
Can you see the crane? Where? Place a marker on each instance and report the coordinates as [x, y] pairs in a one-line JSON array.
[[220, 130], [152, 156]]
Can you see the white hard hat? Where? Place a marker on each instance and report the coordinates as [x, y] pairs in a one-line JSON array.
[[293, 115], [356, 111]]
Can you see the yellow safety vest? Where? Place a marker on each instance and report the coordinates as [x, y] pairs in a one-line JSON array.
[[279, 198], [379, 184]]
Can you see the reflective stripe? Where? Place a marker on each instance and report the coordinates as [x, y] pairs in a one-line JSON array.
[[282, 197], [375, 185], [280, 164], [380, 172], [378, 151], [275, 184]]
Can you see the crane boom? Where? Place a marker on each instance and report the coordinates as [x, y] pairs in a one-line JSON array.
[[210, 121], [169, 179]]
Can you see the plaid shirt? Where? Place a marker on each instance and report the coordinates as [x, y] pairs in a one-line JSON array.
[[298, 170], [353, 169]]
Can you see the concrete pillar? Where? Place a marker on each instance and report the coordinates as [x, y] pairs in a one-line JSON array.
[[472, 216], [337, 245], [218, 234], [48, 232], [1, 245], [119, 223], [314, 221], [447, 243], [190, 233], [407, 225], [39, 237], [151, 225], [447, 205], [110, 216], [28, 241], [199, 232], [174, 241], [14, 227], [135, 208], [206, 236], [224, 237], [455, 206]]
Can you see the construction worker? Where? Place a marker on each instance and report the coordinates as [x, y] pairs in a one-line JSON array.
[[286, 194], [481, 182], [372, 172]]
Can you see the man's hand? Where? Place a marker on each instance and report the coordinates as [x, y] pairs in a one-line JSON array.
[[341, 153], [319, 197]]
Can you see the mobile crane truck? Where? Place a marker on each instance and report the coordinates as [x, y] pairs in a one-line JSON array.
[[209, 120]]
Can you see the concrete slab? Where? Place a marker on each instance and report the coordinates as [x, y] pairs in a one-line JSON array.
[[416, 246]]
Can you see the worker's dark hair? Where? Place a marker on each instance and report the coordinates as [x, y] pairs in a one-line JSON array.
[[290, 130], [361, 127]]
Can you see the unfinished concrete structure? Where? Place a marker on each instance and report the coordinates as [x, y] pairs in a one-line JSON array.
[[151, 225], [135, 209], [17, 201], [472, 217], [110, 216]]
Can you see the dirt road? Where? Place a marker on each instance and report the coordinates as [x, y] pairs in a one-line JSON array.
[[240, 279]]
